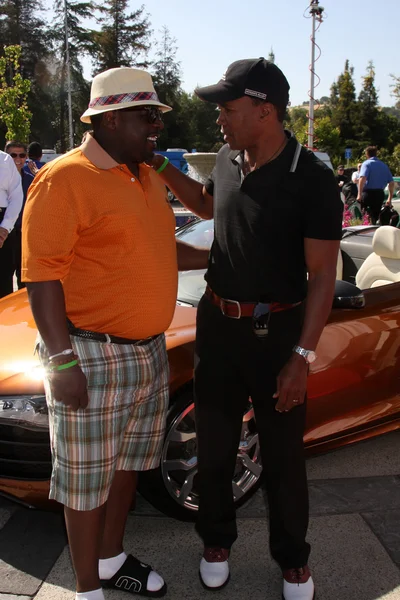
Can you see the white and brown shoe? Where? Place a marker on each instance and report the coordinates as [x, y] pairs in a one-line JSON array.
[[298, 584], [214, 568]]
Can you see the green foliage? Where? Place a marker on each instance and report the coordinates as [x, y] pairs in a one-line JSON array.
[[80, 43], [122, 37], [343, 103], [396, 89], [167, 81], [14, 89], [199, 120], [368, 115], [123, 40], [392, 159]]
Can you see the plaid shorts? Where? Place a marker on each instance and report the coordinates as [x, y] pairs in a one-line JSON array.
[[123, 426]]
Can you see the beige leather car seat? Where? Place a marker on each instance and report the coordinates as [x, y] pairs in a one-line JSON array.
[[383, 265]]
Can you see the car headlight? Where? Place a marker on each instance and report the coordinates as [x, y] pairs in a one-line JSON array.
[[26, 411]]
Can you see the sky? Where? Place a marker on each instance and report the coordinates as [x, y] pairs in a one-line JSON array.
[[210, 34]]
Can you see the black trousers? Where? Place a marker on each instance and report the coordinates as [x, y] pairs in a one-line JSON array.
[[18, 257], [231, 364], [372, 201], [7, 265]]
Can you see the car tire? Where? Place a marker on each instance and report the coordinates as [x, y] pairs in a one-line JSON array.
[[173, 490]]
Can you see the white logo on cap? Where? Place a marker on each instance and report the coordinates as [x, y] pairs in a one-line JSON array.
[[255, 94]]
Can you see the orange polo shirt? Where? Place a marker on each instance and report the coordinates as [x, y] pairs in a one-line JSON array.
[[108, 236]]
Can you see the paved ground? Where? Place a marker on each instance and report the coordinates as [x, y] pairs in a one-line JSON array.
[[354, 531]]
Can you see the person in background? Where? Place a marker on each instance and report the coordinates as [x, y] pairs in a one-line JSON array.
[[18, 152], [11, 197], [35, 153], [375, 175], [341, 178], [350, 192], [355, 176]]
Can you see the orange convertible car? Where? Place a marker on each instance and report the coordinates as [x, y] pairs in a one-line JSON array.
[[354, 386]]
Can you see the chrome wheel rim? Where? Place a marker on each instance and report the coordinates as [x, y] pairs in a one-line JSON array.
[[179, 459]]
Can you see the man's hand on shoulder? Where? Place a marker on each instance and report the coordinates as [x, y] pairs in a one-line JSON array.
[[69, 386], [157, 161]]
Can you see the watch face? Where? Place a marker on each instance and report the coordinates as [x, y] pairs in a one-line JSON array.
[[311, 356]]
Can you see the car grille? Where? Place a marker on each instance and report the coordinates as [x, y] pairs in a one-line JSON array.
[[24, 453]]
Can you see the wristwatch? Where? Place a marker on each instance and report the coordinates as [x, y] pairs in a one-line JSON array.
[[308, 355]]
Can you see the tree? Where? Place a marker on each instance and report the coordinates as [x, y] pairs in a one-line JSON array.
[[167, 81], [396, 89], [14, 110], [343, 104], [327, 136], [166, 69], [80, 43], [368, 108], [198, 123], [21, 25], [123, 39]]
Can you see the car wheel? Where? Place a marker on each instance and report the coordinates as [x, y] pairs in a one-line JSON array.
[[172, 487]]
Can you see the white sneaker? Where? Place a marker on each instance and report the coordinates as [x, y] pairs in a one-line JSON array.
[[214, 568], [298, 584]]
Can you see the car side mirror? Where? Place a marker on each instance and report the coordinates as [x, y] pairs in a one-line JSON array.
[[347, 295]]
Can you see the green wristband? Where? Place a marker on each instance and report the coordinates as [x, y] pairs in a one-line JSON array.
[[161, 169], [65, 366]]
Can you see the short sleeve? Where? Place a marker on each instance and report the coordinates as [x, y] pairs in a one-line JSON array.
[[209, 183], [324, 213], [364, 169], [50, 228]]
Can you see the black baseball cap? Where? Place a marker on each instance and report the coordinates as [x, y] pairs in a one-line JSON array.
[[255, 77]]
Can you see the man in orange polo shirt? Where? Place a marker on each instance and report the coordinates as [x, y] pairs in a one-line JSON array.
[[100, 263]]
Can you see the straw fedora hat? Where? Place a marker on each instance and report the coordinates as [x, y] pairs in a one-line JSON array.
[[121, 88]]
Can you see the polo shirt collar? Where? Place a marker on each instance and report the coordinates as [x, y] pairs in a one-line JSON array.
[[96, 154]]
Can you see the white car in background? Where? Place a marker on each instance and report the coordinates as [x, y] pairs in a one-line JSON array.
[[48, 155]]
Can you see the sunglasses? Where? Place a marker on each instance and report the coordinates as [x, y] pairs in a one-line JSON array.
[[153, 113], [17, 155]]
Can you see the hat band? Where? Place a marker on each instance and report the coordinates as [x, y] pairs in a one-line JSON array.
[[123, 99]]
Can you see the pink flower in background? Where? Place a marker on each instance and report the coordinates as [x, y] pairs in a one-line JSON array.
[[349, 220]]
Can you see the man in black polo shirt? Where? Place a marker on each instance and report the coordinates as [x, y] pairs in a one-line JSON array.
[[278, 218]]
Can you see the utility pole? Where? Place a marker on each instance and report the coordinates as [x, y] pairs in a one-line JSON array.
[[316, 15], [68, 66]]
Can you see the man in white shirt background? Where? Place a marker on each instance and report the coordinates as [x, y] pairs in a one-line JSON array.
[[10, 206]]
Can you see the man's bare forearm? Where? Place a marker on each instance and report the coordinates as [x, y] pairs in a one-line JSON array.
[[319, 300], [188, 191], [391, 192], [191, 257], [47, 303], [361, 184]]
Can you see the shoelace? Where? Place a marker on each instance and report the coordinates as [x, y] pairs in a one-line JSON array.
[[215, 555], [296, 575]]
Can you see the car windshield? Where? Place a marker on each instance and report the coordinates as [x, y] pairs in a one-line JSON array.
[[198, 233]]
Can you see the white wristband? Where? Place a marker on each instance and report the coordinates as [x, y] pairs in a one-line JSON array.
[[63, 353]]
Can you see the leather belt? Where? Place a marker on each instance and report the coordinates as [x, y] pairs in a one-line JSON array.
[[236, 310], [105, 337]]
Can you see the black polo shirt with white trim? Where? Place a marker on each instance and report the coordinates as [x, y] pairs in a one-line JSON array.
[[261, 220]]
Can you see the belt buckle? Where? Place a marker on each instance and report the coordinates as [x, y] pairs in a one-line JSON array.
[[224, 301]]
